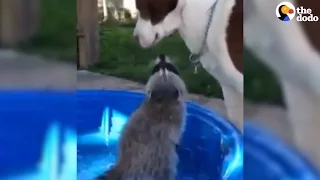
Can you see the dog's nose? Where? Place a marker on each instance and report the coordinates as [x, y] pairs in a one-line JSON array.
[[136, 37]]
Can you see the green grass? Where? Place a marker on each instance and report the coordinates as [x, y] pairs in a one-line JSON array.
[[260, 84], [56, 35], [121, 56]]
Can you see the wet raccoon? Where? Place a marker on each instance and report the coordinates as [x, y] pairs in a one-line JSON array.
[[147, 146]]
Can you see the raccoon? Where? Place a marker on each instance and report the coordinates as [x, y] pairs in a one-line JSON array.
[[147, 145]]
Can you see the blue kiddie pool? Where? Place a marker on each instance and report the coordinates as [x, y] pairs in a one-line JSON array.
[[38, 140], [37, 135], [211, 147], [269, 158]]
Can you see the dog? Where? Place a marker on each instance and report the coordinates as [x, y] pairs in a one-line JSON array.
[[158, 19], [147, 146], [295, 63]]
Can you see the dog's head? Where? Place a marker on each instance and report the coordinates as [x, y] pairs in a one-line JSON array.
[[156, 20], [165, 83]]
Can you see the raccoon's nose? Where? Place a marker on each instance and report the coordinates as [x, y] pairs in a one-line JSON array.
[[165, 78], [164, 74]]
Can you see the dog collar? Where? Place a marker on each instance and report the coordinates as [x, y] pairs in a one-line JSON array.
[[195, 58]]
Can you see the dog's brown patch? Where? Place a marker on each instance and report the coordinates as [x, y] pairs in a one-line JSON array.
[[235, 35], [155, 10], [312, 28]]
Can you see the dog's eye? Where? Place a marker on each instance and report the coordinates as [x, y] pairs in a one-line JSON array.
[[157, 36]]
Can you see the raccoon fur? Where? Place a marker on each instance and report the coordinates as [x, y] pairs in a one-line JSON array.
[[147, 146]]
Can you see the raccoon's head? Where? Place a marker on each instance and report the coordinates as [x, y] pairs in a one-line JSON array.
[[165, 83]]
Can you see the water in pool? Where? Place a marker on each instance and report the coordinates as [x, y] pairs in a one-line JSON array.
[[200, 154], [50, 165]]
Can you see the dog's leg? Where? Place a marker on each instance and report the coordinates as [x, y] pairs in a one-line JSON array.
[[231, 81], [234, 103], [304, 113], [296, 64], [219, 64]]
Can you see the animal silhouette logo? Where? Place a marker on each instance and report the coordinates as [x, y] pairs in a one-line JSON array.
[[285, 11]]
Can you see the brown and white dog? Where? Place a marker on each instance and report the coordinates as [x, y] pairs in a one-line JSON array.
[[158, 19], [285, 48]]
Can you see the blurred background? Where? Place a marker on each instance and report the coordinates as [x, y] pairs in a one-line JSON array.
[[37, 43], [262, 87], [273, 118], [37, 81]]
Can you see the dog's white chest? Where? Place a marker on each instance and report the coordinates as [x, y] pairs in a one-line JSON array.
[[195, 18]]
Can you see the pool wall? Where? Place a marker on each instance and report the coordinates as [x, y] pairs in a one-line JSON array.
[[32, 125], [278, 159]]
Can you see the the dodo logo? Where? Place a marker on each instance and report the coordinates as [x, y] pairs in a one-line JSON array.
[[285, 11]]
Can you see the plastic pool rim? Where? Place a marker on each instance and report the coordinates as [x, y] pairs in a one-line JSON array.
[[261, 140]]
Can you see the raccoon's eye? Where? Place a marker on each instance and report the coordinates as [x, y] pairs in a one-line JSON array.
[[176, 94], [172, 69]]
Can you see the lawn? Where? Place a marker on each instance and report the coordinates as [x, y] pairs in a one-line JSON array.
[[56, 35], [121, 56], [260, 84]]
